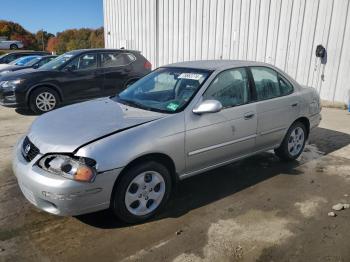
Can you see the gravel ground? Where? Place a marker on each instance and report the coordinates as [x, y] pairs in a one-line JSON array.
[[259, 209]]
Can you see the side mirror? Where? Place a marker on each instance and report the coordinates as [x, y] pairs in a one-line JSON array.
[[207, 106], [36, 66]]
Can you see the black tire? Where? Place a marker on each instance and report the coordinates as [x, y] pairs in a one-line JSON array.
[[13, 47], [282, 151], [36, 93], [118, 205]]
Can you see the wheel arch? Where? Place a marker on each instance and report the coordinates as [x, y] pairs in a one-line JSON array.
[[306, 122], [156, 157], [49, 85]]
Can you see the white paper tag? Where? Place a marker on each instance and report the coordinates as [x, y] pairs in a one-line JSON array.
[[190, 76]]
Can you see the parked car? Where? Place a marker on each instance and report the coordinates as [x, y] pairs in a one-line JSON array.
[[126, 152], [25, 62], [9, 57], [74, 76], [10, 44]]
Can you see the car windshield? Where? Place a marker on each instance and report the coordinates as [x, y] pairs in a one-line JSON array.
[[23, 60], [166, 90], [55, 63], [33, 61]]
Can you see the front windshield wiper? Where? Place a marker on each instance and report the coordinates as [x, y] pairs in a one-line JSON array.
[[138, 105], [133, 103]]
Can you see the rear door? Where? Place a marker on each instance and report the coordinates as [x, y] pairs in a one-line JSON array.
[[117, 70], [82, 78], [214, 138], [277, 106]]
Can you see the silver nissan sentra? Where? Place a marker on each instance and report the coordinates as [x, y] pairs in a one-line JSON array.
[[126, 152]]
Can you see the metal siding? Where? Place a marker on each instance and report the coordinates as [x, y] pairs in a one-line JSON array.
[[281, 32]]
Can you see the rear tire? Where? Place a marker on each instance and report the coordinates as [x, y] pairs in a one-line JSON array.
[[43, 99], [13, 47], [141, 192], [293, 143]]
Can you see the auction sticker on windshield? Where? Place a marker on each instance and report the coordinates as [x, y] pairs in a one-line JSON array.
[[191, 76], [172, 106]]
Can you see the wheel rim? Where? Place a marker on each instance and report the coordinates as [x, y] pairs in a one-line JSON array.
[[145, 193], [296, 141], [45, 101]]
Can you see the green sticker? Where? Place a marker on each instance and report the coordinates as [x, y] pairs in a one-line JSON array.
[[172, 106]]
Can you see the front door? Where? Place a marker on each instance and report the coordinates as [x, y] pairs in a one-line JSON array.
[[82, 78], [215, 138]]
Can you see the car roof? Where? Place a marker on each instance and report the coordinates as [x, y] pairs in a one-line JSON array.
[[28, 52], [80, 51], [216, 64]]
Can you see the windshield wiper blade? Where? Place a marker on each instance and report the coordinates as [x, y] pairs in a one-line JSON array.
[[133, 103]]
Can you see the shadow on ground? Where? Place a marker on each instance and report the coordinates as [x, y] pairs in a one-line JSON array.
[[211, 186]]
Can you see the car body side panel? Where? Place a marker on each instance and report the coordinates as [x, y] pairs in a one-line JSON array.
[[164, 136], [216, 137], [274, 118]]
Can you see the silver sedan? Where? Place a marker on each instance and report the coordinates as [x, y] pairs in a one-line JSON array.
[[126, 152]]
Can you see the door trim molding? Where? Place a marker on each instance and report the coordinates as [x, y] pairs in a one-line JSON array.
[[205, 149], [272, 130]]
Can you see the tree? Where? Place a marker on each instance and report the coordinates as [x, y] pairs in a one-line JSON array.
[[41, 36], [52, 44], [64, 41]]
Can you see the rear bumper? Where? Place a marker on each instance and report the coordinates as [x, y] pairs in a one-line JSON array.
[[315, 120], [60, 196]]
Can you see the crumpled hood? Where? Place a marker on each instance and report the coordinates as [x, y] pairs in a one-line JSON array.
[[64, 130]]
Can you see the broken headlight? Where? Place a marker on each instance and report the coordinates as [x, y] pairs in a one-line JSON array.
[[79, 169]]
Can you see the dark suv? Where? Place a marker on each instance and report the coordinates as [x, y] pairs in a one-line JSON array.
[[9, 57], [74, 76]]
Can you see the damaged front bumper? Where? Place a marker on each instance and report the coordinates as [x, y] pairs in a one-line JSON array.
[[59, 195]]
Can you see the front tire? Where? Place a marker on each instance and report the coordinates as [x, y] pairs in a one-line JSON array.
[[141, 192], [293, 143], [43, 99]]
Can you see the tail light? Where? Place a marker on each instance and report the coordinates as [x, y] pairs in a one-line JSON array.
[[147, 65]]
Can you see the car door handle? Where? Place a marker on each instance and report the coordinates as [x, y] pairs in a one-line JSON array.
[[248, 116], [294, 105]]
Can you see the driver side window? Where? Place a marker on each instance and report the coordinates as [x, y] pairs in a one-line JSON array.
[[83, 62], [230, 88]]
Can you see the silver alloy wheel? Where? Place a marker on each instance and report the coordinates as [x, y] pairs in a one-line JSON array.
[[296, 141], [145, 193], [45, 101]]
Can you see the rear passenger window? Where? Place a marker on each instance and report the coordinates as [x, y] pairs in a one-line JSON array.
[[269, 84], [116, 59], [286, 87], [230, 87]]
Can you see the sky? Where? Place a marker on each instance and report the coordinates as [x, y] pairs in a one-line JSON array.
[[53, 15]]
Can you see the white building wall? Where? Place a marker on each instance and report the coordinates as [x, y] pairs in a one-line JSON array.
[[281, 32]]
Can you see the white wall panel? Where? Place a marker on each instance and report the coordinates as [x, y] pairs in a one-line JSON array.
[[281, 32]]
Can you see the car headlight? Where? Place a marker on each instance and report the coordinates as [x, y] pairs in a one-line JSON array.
[[10, 85], [79, 169]]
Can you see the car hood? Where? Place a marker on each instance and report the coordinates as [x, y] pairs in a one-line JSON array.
[[23, 73], [4, 66], [10, 68], [68, 128]]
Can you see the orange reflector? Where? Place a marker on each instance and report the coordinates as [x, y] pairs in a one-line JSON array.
[[84, 174]]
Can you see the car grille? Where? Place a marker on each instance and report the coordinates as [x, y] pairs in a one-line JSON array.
[[29, 150]]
